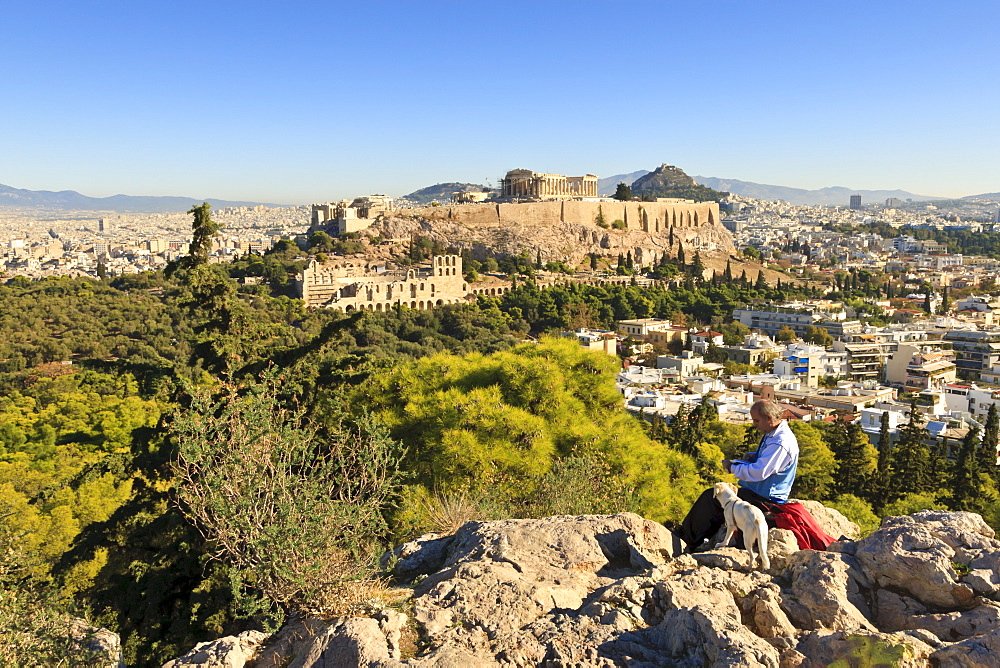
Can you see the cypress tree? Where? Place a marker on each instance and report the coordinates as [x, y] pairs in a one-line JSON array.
[[681, 264], [727, 274], [987, 454], [966, 485], [743, 279], [761, 283], [877, 492], [698, 267]]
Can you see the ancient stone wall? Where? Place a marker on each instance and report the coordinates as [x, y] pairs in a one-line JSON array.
[[651, 217]]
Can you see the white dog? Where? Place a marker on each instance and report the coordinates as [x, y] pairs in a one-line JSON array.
[[747, 518]]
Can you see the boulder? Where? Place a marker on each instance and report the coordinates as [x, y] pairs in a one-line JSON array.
[[979, 652], [915, 556], [228, 652], [104, 646], [863, 648], [825, 592], [895, 612], [615, 590]]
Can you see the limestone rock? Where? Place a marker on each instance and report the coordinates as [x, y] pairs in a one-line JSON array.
[[914, 556], [763, 607], [979, 652], [898, 613], [227, 652], [781, 545], [613, 591], [421, 556], [864, 648], [984, 574], [825, 592], [105, 647], [346, 642]]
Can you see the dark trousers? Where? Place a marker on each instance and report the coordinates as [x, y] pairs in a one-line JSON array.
[[706, 516]]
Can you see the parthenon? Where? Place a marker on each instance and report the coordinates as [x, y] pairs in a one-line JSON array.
[[525, 184]]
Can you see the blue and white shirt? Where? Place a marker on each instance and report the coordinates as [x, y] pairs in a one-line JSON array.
[[772, 472]]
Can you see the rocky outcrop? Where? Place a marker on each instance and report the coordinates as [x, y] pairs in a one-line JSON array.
[[564, 232], [615, 591]]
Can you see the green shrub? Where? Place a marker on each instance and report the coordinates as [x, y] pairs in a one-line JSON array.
[[618, 224], [858, 511], [912, 503], [294, 510]]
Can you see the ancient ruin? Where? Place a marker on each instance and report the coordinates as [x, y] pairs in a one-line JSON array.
[[349, 215], [350, 285], [524, 184]]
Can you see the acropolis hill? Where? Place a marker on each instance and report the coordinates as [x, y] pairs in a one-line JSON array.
[[561, 217], [565, 231]]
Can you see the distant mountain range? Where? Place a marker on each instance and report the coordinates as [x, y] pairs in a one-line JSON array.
[[607, 186], [72, 200], [833, 196]]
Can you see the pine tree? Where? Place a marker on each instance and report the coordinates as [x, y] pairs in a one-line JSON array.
[[856, 459], [679, 432], [912, 458]]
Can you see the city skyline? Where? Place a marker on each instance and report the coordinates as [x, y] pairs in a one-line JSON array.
[[312, 102]]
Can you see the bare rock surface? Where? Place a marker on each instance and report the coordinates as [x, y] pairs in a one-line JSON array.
[[916, 556], [616, 591], [227, 652]]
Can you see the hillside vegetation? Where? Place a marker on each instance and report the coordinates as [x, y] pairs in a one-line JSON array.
[[163, 440]]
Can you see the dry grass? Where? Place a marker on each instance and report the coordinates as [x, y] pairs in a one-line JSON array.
[[447, 512]]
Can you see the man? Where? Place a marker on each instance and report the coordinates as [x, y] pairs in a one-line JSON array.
[[765, 476]]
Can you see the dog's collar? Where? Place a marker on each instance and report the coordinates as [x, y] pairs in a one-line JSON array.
[[731, 502]]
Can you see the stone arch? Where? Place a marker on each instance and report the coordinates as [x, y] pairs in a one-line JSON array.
[[378, 307], [348, 309], [439, 303], [413, 304]]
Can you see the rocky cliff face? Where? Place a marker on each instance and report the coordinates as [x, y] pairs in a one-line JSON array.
[[615, 591], [564, 232]]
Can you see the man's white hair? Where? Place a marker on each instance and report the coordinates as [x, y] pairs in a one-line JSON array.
[[769, 409]]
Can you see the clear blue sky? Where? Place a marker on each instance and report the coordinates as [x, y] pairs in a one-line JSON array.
[[297, 102]]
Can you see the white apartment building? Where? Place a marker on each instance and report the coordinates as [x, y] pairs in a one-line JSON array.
[[810, 363]]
